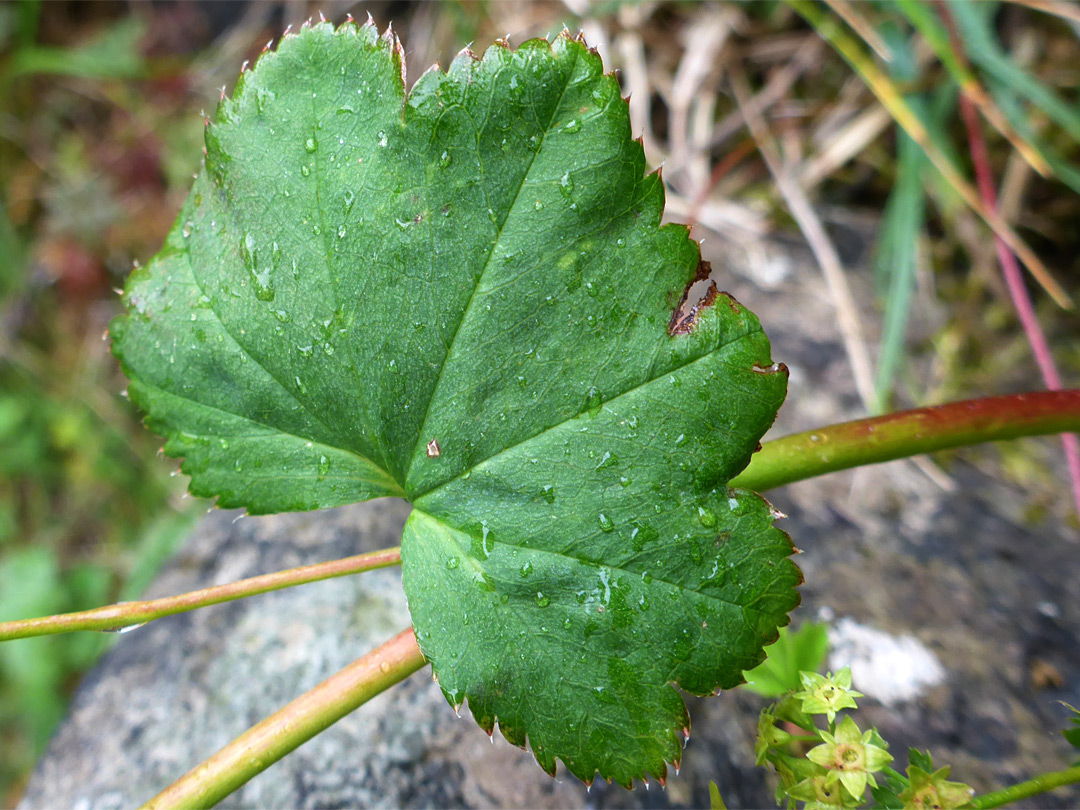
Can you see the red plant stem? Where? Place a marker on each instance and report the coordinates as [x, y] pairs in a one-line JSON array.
[[908, 433], [1014, 280]]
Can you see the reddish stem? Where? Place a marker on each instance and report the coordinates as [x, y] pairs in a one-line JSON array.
[[908, 433]]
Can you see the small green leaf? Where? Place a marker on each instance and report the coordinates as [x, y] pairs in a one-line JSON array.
[[716, 801], [463, 295], [1072, 733], [793, 652]]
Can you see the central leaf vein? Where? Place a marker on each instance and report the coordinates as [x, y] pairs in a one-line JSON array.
[[420, 440]]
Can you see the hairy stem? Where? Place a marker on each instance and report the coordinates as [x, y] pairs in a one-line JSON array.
[[909, 433], [265, 743], [128, 614], [1024, 790]]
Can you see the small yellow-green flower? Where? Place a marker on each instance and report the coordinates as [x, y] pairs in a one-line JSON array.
[[931, 791], [850, 757], [820, 794], [827, 694], [768, 735]]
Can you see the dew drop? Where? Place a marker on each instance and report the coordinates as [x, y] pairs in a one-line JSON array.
[[305, 170], [247, 251], [350, 198], [566, 185], [572, 126], [127, 629], [445, 160], [526, 569], [607, 460], [606, 524], [310, 145], [542, 599], [593, 401], [324, 465], [341, 231], [452, 563], [548, 493], [706, 517]]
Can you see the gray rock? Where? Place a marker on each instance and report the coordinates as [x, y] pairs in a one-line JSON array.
[[996, 601]]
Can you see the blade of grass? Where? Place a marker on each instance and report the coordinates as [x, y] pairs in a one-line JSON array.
[[861, 26], [1028, 126], [1011, 271], [975, 26], [820, 244], [888, 94], [287, 729], [129, 614], [926, 22], [1059, 8], [901, 227]]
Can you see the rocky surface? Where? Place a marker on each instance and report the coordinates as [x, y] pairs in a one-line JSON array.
[[994, 601]]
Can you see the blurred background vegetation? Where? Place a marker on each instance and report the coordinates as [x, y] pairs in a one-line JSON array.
[[100, 132]]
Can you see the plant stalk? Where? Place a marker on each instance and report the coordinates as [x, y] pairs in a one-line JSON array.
[[285, 730], [130, 614], [1024, 790], [909, 433]]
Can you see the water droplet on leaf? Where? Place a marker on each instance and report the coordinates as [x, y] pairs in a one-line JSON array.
[[706, 517]]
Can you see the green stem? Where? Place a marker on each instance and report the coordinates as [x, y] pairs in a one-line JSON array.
[[128, 614], [909, 433], [265, 743], [1032, 787]]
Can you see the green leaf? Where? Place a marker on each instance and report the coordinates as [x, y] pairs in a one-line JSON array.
[[1072, 733], [716, 801], [793, 652], [463, 295]]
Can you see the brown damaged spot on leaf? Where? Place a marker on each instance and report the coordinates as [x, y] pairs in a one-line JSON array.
[[700, 293], [775, 368]]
